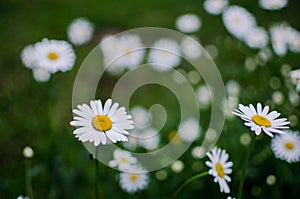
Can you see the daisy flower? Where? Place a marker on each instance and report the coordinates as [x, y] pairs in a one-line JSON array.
[[122, 159], [80, 31], [54, 55], [140, 116], [257, 38], [189, 130], [295, 75], [190, 48], [188, 23], [220, 167], [238, 21], [28, 56], [293, 40], [204, 94], [97, 124], [134, 180], [287, 146], [215, 7], [165, 53], [260, 119], [148, 138], [41, 74], [272, 4]]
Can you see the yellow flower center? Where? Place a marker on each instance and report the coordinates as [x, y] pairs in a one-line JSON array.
[[133, 177], [123, 160], [289, 145], [261, 121], [220, 170], [102, 123], [53, 56]]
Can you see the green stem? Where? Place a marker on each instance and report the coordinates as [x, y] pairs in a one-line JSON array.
[[28, 179], [240, 191], [188, 181], [96, 175]]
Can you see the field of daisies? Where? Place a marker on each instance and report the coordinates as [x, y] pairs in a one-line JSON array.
[[227, 129]]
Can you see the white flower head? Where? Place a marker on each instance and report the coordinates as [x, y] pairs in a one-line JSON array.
[[233, 88], [134, 180], [148, 138], [190, 48], [164, 54], [140, 116], [28, 152], [238, 21], [287, 146], [279, 38], [28, 56], [295, 76], [260, 119], [293, 39], [220, 167], [215, 7], [80, 31], [23, 197], [204, 95], [188, 23], [54, 55], [189, 130], [41, 74], [97, 124], [257, 38], [122, 159], [272, 4]]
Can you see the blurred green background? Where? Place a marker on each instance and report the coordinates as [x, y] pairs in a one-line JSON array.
[[38, 114]]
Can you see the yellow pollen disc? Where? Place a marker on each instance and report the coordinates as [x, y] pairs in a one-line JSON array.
[[102, 123], [220, 170], [53, 56], [123, 160], [261, 121], [133, 177], [289, 145], [128, 51]]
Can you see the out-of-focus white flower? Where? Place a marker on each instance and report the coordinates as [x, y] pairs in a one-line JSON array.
[[294, 98], [164, 54], [272, 4], [80, 31], [134, 180], [278, 97], [215, 7], [149, 138], [177, 166], [122, 159], [140, 117], [238, 21], [28, 56], [232, 88], [257, 38], [41, 74], [23, 197], [295, 76], [204, 96], [28, 152], [230, 104], [189, 130], [54, 55], [188, 23], [190, 48], [287, 146], [293, 40], [120, 52], [279, 33]]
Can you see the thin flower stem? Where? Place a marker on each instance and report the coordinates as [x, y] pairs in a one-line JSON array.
[[96, 175], [240, 191], [188, 181], [28, 186]]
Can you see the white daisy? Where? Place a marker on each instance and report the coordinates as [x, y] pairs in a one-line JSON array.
[[134, 180], [54, 55], [279, 33], [41, 74], [28, 152], [295, 76], [287, 147], [260, 119], [257, 38], [215, 7], [122, 159], [293, 40], [188, 23], [148, 138], [140, 116], [120, 52], [232, 88], [189, 130], [272, 4], [80, 31], [97, 123], [28, 56], [238, 21], [204, 95], [190, 48], [220, 168], [165, 53]]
